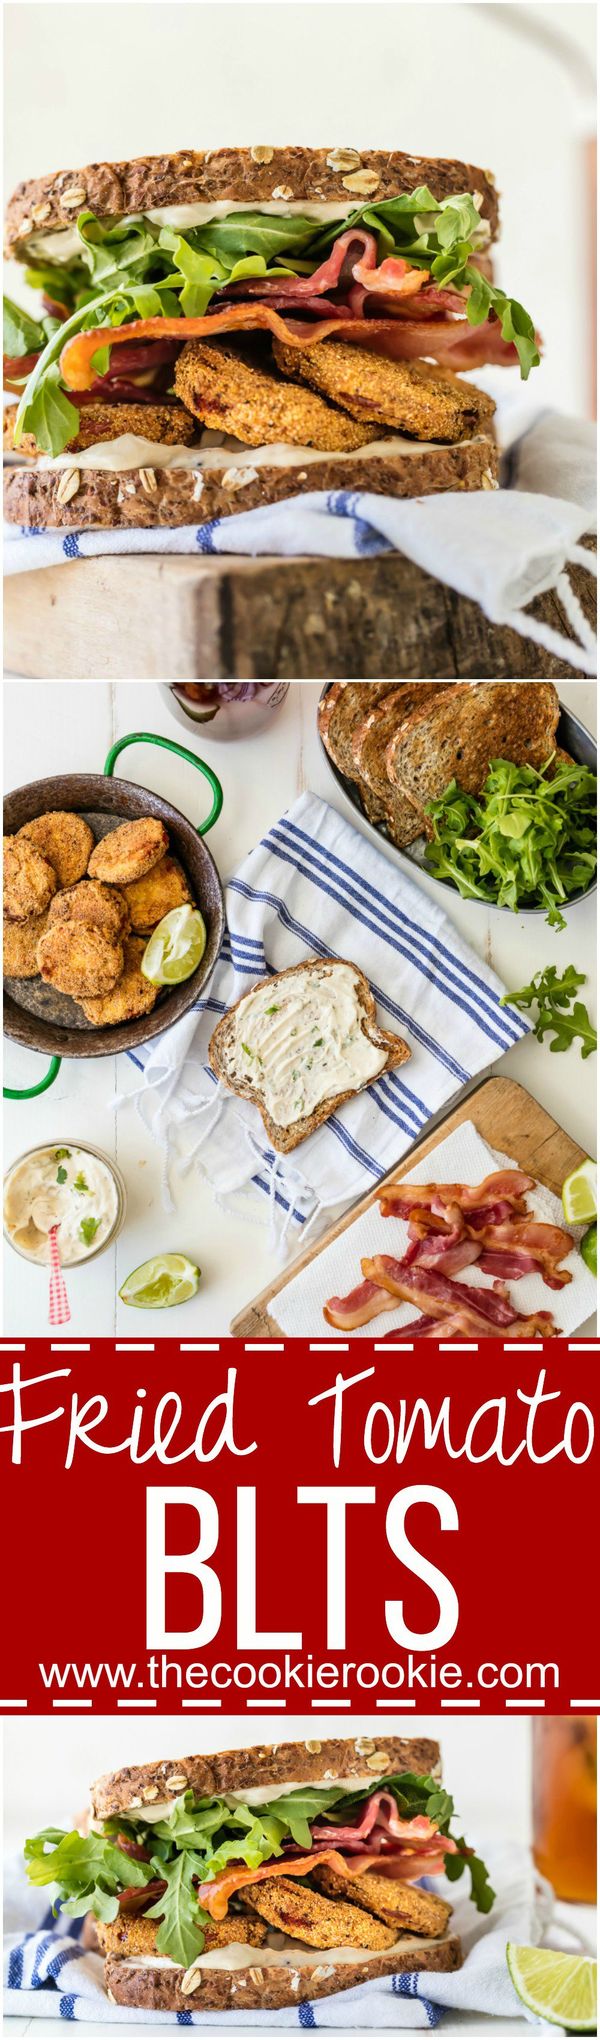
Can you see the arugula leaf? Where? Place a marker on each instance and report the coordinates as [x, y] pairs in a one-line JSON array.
[[528, 839], [553, 995], [180, 1934], [89, 1870], [482, 1892], [21, 334]]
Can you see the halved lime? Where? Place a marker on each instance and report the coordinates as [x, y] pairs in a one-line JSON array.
[[579, 1194], [161, 1282], [560, 1988], [175, 948], [588, 1248]]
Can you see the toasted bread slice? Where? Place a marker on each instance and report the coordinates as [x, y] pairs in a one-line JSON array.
[[288, 1763], [341, 712], [294, 1980], [455, 735], [401, 1905], [369, 746], [246, 176], [287, 1133]]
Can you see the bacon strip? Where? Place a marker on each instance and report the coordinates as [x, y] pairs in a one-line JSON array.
[[367, 1301], [450, 342], [214, 1897], [508, 1184]]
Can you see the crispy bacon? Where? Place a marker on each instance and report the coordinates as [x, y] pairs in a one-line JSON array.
[[426, 1286], [367, 1301], [450, 342], [538, 1246], [508, 1184], [214, 1897]]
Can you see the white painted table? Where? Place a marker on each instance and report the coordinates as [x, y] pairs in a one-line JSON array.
[[51, 727]]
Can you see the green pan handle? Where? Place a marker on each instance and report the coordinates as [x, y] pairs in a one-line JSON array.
[[168, 744], [35, 1090]]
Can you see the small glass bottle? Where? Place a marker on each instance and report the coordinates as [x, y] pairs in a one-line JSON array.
[[230, 708], [565, 1804]]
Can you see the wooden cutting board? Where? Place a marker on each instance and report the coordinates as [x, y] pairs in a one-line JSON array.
[[141, 617], [505, 1115]]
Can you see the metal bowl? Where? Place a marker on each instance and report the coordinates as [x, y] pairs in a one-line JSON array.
[[571, 736], [43, 1019]]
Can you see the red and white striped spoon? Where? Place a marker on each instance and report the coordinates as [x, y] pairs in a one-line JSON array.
[[58, 1302]]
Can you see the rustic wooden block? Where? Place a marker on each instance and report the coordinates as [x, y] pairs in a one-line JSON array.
[[151, 618]]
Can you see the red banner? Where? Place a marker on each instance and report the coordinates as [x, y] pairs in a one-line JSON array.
[[293, 1527]]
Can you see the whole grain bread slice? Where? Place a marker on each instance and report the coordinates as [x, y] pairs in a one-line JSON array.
[[455, 735], [293, 1763], [256, 176], [369, 746], [221, 1043], [342, 711], [263, 1989], [90, 499]]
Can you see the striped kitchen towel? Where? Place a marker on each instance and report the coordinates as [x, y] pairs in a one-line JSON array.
[[48, 1974], [498, 547], [315, 887]]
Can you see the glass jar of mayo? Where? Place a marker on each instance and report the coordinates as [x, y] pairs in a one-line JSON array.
[[78, 1189]]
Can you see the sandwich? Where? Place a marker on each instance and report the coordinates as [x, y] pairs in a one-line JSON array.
[[300, 1043], [226, 328], [257, 1878]]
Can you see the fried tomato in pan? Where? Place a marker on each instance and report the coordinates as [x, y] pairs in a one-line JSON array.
[[65, 840], [29, 881], [129, 852]]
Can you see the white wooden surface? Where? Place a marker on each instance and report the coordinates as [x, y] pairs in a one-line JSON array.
[[51, 727]]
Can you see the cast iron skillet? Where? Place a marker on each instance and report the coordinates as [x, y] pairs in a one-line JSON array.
[[47, 1021]]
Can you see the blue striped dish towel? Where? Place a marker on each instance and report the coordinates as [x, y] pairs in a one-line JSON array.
[[499, 548], [48, 1974], [315, 887]]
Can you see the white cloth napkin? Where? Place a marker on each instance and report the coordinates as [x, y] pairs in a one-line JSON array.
[[462, 1158], [49, 1975], [500, 549], [315, 887]]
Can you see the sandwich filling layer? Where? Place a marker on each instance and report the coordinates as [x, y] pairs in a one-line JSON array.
[[285, 1875], [406, 278]]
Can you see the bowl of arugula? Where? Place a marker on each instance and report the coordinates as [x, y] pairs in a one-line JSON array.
[[528, 842]]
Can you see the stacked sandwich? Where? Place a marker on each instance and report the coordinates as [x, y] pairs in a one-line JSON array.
[[257, 1878], [242, 325], [402, 744]]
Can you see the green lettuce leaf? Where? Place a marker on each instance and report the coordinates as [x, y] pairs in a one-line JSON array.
[[180, 1934], [21, 334]]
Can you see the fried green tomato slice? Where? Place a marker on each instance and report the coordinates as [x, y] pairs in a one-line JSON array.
[[19, 947], [29, 880], [130, 998], [65, 840], [102, 906], [129, 852], [257, 406], [79, 960], [148, 899]]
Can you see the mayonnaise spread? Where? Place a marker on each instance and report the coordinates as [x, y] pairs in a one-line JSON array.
[[65, 1186], [301, 1039], [61, 244], [279, 1951], [219, 450], [253, 1795]]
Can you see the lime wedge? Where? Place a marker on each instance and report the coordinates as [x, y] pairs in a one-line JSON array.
[[579, 1194], [175, 948], [161, 1282], [560, 1988], [588, 1249]]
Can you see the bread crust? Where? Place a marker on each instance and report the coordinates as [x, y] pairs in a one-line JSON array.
[[313, 1763], [204, 176], [150, 497], [284, 1138], [269, 1989], [446, 738]]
